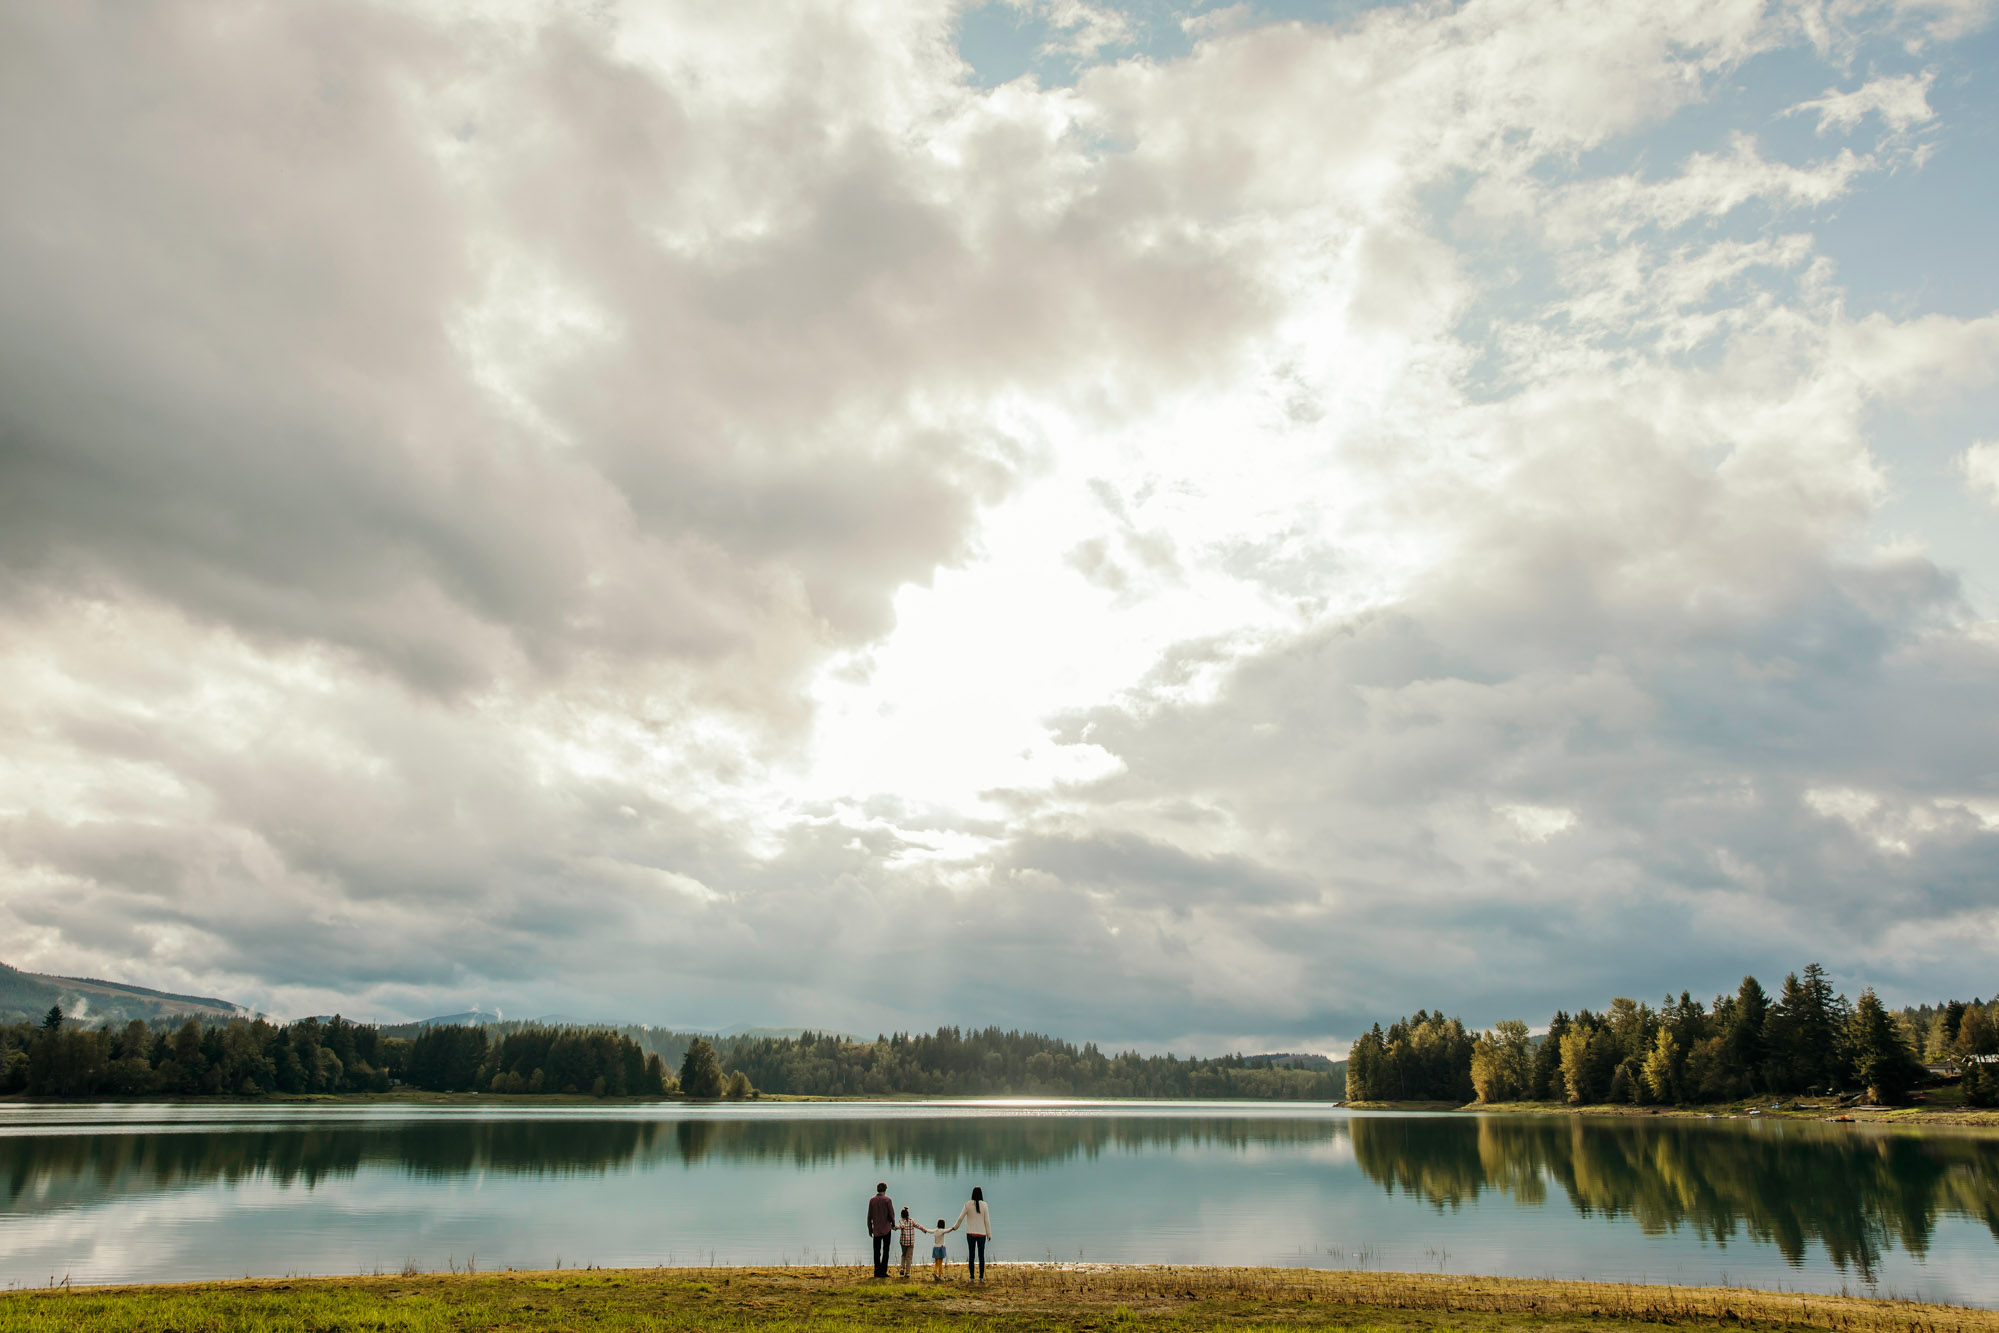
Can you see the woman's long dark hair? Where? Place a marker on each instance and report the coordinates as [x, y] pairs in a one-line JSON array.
[[979, 1197]]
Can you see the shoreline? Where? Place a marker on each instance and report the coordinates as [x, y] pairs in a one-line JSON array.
[[410, 1097], [1818, 1111], [1914, 1116], [1030, 1298]]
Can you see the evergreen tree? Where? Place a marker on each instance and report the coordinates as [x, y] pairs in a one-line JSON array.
[[1545, 1072], [1633, 1023], [700, 1072], [1976, 1033], [1948, 1020], [1364, 1067], [1745, 1034], [1626, 1082], [441, 1059], [1780, 1038], [1816, 1043], [1882, 1063], [1978, 1041]]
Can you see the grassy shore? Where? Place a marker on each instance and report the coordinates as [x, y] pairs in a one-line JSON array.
[[1023, 1299]]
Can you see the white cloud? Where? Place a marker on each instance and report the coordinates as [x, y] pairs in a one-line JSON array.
[[1708, 186], [1223, 18], [1902, 101], [679, 508], [1979, 465], [1086, 28], [1538, 823]]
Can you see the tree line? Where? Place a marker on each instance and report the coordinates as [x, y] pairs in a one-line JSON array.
[[1807, 1040], [245, 1058], [953, 1062]]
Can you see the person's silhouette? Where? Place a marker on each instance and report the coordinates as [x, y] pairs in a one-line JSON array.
[[881, 1225]]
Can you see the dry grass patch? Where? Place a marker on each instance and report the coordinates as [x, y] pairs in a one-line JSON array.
[[1022, 1299]]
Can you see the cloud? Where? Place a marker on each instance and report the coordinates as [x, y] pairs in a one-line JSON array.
[[709, 517], [1223, 18], [1902, 102], [1979, 465], [560, 360]]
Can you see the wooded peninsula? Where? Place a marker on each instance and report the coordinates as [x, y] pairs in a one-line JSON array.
[[1807, 1041]]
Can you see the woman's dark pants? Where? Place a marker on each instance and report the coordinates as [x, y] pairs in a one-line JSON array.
[[975, 1250]]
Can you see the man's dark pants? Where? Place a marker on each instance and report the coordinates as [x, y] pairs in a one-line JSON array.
[[881, 1256]]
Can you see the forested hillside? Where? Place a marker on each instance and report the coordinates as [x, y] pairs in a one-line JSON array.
[[26, 996]]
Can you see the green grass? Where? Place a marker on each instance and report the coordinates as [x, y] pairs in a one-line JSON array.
[[1016, 1300]]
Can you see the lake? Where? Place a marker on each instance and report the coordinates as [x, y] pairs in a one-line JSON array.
[[146, 1193]]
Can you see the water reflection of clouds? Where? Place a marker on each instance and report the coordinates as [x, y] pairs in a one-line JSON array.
[[1333, 1152], [1678, 1200]]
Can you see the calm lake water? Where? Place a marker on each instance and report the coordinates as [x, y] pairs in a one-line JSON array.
[[131, 1193]]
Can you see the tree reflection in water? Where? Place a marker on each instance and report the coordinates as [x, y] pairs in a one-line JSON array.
[[42, 1166], [1784, 1184], [1854, 1191]]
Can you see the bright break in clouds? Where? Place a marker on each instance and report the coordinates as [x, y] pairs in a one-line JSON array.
[[1194, 526]]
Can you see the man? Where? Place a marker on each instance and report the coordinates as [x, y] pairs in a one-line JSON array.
[[881, 1225]]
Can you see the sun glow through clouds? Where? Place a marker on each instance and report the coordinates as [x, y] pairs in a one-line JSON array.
[[1216, 524]]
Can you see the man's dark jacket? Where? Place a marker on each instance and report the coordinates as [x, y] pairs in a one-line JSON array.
[[881, 1215]]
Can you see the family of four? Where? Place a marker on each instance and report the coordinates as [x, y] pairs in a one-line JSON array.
[[973, 1217]]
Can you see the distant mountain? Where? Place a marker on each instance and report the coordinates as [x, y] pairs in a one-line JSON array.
[[669, 1041], [469, 1019], [481, 1018], [26, 996], [22, 995]]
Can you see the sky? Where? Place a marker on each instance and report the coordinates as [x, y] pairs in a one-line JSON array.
[[1187, 526]]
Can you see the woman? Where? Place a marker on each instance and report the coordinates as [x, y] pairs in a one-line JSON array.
[[978, 1224]]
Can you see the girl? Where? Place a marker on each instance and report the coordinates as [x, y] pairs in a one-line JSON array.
[[937, 1249], [908, 1230]]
